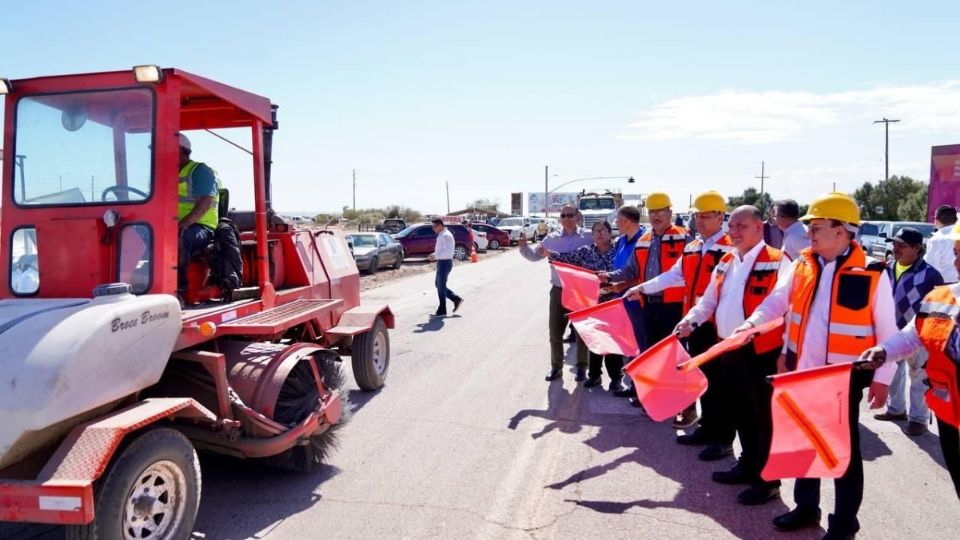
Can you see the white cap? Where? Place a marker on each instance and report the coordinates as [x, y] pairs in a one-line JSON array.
[[184, 141]]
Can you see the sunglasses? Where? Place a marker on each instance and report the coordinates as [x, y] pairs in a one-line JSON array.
[[568, 215]]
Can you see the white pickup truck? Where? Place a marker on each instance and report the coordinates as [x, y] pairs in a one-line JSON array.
[[516, 226]]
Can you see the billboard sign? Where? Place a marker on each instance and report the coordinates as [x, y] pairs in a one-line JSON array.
[[535, 201], [944, 178]]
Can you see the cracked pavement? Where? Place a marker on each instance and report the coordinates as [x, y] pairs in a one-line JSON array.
[[466, 440]]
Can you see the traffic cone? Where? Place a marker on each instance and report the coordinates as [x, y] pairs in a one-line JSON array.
[[473, 254]]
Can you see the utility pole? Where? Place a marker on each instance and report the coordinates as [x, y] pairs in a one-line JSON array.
[[448, 197], [886, 145], [834, 187], [354, 190], [546, 191], [762, 177]]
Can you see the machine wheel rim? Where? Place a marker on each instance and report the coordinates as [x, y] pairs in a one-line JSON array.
[[378, 353], [494, 244], [156, 502], [460, 252]]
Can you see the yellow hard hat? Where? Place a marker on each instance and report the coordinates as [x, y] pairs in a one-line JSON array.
[[838, 206], [709, 201], [658, 200]]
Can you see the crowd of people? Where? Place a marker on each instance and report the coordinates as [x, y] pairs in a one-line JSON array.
[[895, 320]]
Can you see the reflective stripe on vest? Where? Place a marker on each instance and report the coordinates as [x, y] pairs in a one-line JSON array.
[[672, 243], [851, 327], [698, 268], [760, 283], [186, 202], [936, 321]]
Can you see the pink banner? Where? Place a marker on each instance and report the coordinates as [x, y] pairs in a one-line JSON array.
[[606, 328], [664, 390], [944, 178], [581, 288]]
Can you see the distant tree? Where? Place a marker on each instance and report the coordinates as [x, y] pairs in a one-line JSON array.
[[915, 207], [883, 200], [485, 204], [752, 197]]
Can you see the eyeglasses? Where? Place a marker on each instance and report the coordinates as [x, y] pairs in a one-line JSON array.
[[568, 215]]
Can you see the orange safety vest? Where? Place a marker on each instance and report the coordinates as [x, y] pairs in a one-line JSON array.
[[671, 249], [760, 282], [854, 284], [936, 322], [698, 268]]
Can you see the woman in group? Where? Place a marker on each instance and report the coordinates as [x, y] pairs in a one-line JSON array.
[[935, 328], [597, 257]]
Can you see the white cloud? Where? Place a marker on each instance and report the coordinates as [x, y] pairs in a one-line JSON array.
[[763, 117]]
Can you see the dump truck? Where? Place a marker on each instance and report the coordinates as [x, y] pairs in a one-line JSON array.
[[113, 375], [600, 206]]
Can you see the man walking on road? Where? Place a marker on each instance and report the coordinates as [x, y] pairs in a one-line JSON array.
[[568, 239], [443, 255]]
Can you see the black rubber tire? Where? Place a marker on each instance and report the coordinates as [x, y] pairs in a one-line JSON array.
[[366, 372], [494, 245], [460, 252], [374, 266], [124, 472], [399, 262]]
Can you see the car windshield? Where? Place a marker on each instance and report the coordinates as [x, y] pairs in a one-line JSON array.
[[364, 240], [84, 147], [511, 222], [598, 204]]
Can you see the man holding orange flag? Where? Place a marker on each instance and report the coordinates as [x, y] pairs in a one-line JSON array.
[[739, 284], [836, 303], [692, 272]]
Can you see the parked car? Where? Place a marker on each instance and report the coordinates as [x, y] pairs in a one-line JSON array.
[[373, 250], [552, 225], [421, 240], [516, 226], [479, 240], [392, 225], [495, 236], [869, 234], [541, 225], [881, 249]]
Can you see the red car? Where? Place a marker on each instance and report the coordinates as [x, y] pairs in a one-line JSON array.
[[420, 240], [495, 237]]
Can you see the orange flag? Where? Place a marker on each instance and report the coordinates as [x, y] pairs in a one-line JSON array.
[[731, 343], [811, 424], [664, 390], [606, 328], [581, 288]]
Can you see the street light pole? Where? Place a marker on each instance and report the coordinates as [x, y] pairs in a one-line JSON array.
[[546, 191], [886, 145]]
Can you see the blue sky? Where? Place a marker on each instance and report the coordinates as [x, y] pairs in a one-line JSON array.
[[485, 94]]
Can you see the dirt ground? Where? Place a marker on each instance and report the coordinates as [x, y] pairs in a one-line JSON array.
[[418, 265]]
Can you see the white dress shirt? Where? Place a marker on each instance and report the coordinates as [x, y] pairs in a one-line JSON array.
[[444, 248], [727, 304], [813, 351], [795, 239], [940, 254], [674, 276]]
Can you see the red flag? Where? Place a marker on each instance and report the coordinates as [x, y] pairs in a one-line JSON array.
[[730, 344], [664, 390], [811, 424], [606, 328], [581, 288]]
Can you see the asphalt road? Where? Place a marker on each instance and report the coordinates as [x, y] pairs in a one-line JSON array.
[[467, 440]]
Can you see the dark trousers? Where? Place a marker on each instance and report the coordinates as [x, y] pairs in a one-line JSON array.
[[717, 418], [746, 375], [443, 293], [660, 319], [950, 445], [848, 489], [557, 325], [613, 363], [193, 240]]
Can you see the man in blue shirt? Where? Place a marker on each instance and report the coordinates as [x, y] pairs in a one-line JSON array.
[[628, 221]]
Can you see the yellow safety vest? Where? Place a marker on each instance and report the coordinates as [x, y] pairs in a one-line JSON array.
[[186, 201]]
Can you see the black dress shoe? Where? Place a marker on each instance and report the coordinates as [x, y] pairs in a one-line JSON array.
[[697, 438], [553, 375], [796, 519], [730, 477], [615, 387], [714, 452], [581, 374], [439, 314], [591, 382], [456, 304], [625, 392], [757, 495]]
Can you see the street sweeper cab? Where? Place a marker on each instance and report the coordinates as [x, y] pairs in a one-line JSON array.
[[111, 374]]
